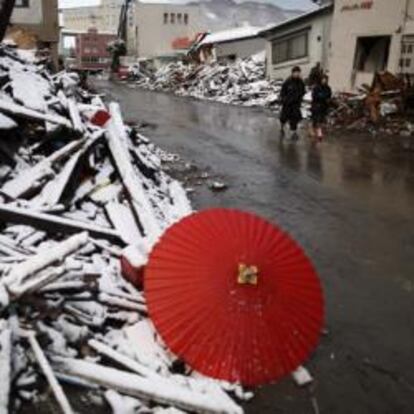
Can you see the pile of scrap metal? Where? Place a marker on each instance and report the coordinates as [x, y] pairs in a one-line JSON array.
[[383, 104], [241, 82], [83, 198]]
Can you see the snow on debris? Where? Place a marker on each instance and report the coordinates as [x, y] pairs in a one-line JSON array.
[[242, 82], [237, 33], [74, 197]]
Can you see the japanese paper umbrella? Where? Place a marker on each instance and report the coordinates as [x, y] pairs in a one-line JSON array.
[[234, 296]]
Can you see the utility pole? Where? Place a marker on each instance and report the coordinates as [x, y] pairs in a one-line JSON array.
[[6, 10]]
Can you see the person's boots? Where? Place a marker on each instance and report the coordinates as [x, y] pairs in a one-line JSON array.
[[282, 131], [319, 134], [312, 132]]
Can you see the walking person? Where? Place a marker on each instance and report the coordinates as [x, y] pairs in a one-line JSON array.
[[315, 76], [291, 96], [321, 100]]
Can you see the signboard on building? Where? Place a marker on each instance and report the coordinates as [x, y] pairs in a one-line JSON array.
[[361, 5]]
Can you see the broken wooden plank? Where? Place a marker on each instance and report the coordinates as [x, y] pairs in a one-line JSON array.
[[118, 145], [161, 390], [31, 177], [49, 374], [45, 258], [123, 220], [54, 224], [5, 365], [75, 116], [12, 108]]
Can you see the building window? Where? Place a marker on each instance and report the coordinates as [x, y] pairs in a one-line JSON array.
[[407, 63], [172, 18], [410, 49], [185, 18], [22, 3], [179, 18], [165, 18], [292, 48]]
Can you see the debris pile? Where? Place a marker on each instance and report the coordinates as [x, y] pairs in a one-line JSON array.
[[241, 82], [79, 191], [381, 107]]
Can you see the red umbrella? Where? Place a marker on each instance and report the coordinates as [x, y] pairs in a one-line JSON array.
[[234, 296]]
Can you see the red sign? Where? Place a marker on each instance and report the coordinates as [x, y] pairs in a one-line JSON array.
[[363, 5]]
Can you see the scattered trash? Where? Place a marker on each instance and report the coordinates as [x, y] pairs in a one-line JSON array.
[[218, 186]]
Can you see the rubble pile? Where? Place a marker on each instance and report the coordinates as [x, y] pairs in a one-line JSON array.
[[382, 107], [241, 82], [80, 194]]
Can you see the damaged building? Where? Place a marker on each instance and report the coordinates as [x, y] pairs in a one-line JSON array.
[[352, 39], [379, 36]]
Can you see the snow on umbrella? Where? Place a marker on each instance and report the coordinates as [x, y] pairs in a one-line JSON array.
[[234, 296]]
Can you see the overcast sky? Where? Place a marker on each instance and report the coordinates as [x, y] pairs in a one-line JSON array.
[[291, 4]]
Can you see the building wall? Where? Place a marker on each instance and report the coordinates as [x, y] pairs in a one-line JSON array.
[[357, 18], [154, 31], [41, 19], [319, 34], [104, 17], [241, 48]]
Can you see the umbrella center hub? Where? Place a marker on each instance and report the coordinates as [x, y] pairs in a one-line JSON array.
[[248, 275]]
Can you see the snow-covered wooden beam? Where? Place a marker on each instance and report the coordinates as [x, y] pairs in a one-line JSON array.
[[45, 258], [31, 177], [75, 116], [161, 390], [5, 365], [127, 362], [118, 145], [55, 224], [17, 110], [49, 374]]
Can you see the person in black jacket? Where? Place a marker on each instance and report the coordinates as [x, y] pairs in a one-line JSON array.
[[321, 100], [291, 96]]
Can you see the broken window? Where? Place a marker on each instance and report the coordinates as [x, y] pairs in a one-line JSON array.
[[371, 54], [290, 48]]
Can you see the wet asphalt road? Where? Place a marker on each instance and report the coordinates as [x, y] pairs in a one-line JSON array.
[[350, 202]]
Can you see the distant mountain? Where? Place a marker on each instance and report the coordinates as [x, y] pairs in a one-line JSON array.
[[224, 14]]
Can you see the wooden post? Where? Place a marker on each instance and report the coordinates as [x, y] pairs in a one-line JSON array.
[[6, 10]]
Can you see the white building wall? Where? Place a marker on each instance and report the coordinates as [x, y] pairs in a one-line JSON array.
[[154, 37], [319, 34], [29, 15], [383, 18], [104, 17]]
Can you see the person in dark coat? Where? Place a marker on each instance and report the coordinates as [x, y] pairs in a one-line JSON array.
[[315, 76], [291, 97], [321, 100]]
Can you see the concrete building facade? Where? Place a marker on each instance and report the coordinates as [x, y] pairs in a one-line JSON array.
[[153, 29], [38, 18], [302, 41], [370, 36], [103, 17]]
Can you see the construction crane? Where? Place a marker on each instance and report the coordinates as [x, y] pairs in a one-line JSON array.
[[119, 47]]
